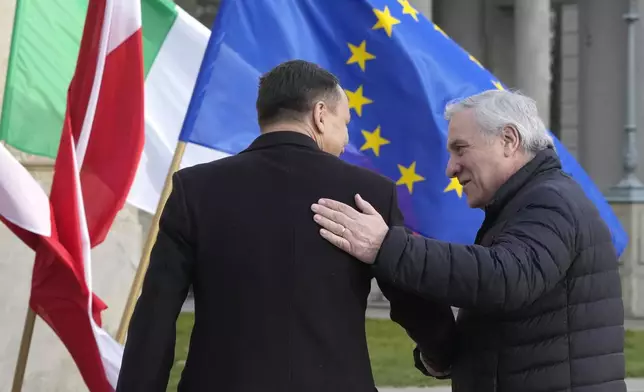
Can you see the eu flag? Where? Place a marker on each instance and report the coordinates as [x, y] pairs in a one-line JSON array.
[[399, 71]]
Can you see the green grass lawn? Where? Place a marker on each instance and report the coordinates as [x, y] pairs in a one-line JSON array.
[[390, 350], [634, 353]]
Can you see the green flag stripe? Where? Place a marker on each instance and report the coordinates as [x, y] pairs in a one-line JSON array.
[[44, 50], [43, 56], [158, 16], [7, 94]]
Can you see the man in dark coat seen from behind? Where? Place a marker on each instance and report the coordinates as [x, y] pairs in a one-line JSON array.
[[277, 308], [539, 293]]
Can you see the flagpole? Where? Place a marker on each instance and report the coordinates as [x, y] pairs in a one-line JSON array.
[[23, 354], [149, 243]]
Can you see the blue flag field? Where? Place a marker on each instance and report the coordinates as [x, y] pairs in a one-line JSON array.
[[399, 71]]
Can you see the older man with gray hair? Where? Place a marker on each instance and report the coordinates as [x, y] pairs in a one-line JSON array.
[[539, 293]]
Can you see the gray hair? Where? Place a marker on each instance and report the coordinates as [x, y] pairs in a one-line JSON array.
[[496, 109]]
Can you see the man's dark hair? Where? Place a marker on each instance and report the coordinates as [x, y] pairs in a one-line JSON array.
[[291, 89]]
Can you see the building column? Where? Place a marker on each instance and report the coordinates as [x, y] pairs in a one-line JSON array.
[[425, 7], [627, 196], [604, 117], [463, 21], [532, 52], [602, 82], [568, 100]]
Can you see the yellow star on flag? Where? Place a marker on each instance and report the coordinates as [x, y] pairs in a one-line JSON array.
[[408, 176], [440, 30], [360, 55], [357, 100], [373, 141], [476, 61], [497, 84], [454, 185], [408, 9], [385, 20]]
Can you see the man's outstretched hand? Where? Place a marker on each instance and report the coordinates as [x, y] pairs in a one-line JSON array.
[[358, 233]]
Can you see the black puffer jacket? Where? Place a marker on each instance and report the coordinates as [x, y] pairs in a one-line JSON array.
[[540, 294]]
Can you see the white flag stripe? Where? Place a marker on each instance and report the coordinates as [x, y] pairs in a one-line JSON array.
[[88, 121], [168, 88], [111, 353], [23, 202], [127, 13]]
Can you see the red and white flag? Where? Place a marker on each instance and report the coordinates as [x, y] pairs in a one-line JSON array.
[[99, 152]]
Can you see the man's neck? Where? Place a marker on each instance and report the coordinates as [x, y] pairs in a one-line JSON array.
[[291, 127]]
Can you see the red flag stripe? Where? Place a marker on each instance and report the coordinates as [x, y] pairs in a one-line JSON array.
[[114, 150]]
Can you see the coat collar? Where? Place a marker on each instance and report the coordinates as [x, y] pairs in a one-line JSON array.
[[277, 138], [544, 160]]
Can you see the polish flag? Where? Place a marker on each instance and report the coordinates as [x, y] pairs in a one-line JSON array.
[[99, 152]]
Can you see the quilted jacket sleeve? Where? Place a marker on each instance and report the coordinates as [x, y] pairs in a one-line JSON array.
[[429, 324], [527, 258]]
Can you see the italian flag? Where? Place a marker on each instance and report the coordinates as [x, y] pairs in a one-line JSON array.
[[45, 44], [100, 140]]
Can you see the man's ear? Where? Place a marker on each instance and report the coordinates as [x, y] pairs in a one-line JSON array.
[[319, 116], [511, 140]]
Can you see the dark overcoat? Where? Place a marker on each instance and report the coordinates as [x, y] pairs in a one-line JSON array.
[[277, 307]]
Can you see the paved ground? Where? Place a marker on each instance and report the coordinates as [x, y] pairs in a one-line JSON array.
[[432, 389], [634, 324], [634, 385]]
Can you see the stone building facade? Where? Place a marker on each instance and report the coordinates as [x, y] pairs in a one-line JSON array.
[[571, 56]]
